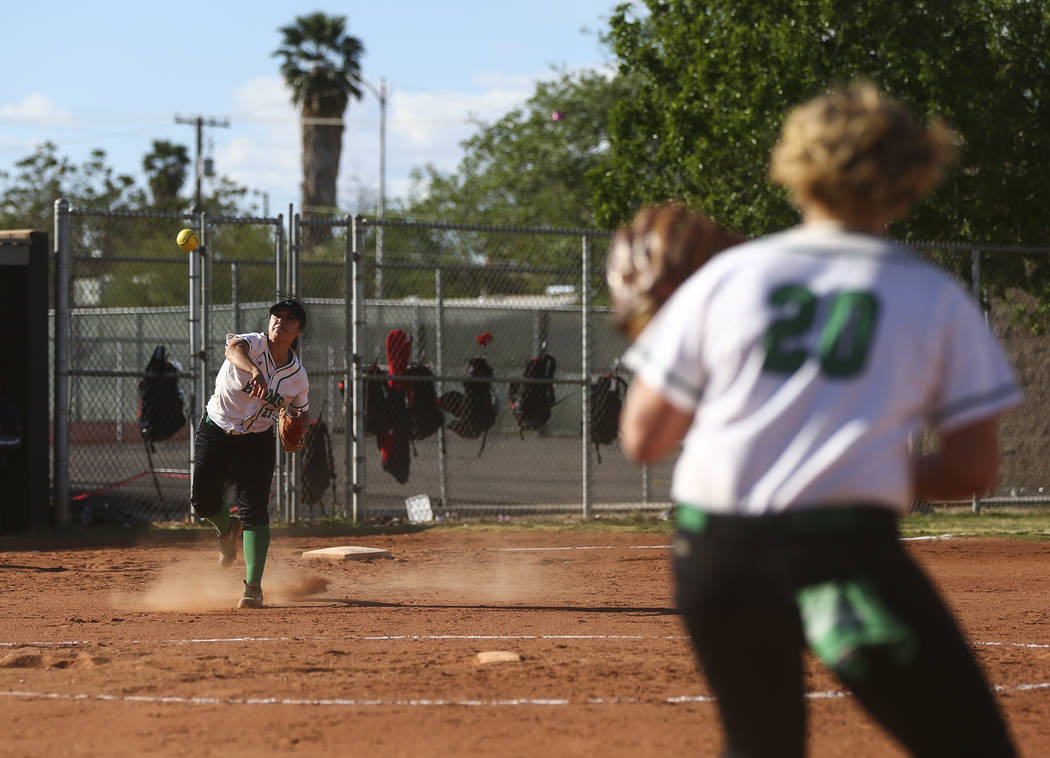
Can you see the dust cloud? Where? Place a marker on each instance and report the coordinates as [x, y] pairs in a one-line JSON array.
[[189, 587]]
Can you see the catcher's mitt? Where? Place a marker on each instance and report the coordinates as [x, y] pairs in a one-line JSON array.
[[292, 426], [657, 252]]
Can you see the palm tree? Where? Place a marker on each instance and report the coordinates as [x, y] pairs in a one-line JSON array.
[[165, 168], [321, 64]]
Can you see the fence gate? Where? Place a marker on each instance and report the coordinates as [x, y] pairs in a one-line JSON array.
[[123, 288]]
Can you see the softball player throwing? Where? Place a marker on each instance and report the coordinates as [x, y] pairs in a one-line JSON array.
[[260, 375], [793, 369]]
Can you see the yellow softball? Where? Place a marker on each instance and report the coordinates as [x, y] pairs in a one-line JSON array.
[[188, 240]]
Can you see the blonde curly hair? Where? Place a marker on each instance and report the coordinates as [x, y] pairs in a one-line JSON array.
[[858, 153]]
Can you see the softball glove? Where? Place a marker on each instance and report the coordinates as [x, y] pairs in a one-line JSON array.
[[653, 255], [292, 427]]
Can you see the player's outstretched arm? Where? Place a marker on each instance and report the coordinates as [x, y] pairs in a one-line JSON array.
[[967, 463], [650, 427], [237, 354]]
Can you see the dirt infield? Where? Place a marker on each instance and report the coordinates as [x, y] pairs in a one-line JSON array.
[[128, 651]]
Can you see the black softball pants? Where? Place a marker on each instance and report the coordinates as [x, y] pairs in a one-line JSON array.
[[246, 459], [736, 584]]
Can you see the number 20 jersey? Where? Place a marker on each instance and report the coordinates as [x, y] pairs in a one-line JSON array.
[[809, 359]]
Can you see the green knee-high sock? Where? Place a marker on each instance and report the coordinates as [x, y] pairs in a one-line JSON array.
[[256, 543], [220, 520]]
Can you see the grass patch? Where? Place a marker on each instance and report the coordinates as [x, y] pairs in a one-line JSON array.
[[959, 521], [1028, 523]]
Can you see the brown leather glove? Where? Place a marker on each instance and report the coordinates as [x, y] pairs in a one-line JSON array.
[[658, 251], [292, 428]]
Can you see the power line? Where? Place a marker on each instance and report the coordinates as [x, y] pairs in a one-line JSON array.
[[200, 122]]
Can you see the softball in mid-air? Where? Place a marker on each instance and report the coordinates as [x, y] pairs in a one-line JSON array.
[[188, 240]]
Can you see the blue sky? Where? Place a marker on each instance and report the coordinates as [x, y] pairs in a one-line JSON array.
[[114, 74]]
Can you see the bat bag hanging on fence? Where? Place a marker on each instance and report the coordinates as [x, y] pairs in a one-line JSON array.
[[607, 395], [161, 411], [476, 406], [386, 417], [531, 401], [318, 465], [423, 410]]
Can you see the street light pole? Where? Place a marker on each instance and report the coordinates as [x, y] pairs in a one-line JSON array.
[[380, 95]]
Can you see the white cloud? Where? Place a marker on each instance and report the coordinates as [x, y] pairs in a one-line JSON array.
[[35, 108], [261, 148], [440, 120]]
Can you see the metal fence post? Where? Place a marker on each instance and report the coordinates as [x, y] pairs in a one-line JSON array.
[[349, 370], [282, 252], [294, 252], [205, 309], [292, 462], [60, 472], [975, 272], [585, 367], [358, 325], [199, 381], [118, 419], [439, 369], [204, 328], [235, 296]]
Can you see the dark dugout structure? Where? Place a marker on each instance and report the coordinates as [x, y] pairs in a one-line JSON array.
[[25, 501]]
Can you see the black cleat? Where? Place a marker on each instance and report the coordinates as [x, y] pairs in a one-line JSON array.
[[228, 542], [252, 597]]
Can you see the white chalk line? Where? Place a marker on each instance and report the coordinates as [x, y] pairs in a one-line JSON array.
[[362, 638], [425, 702], [577, 547], [415, 637], [657, 547]]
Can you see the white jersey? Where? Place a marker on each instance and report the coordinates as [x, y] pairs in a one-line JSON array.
[[231, 406], [808, 359]]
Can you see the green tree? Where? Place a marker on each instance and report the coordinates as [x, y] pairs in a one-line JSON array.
[[717, 76], [532, 167], [321, 65], [166, 167], [27, 197], [131, 258]]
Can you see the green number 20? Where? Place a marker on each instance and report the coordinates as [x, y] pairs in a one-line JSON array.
[[844, 338]]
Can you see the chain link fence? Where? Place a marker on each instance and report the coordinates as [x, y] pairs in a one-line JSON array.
[[123, 289], [456, 292], [990, 272]]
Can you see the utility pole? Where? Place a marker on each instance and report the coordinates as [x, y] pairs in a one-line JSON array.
[[380, 95], [200, 122]]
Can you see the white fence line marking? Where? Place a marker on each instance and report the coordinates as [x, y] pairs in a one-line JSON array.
[[425, 702], [657, 547], [577, 547], [417, 638]]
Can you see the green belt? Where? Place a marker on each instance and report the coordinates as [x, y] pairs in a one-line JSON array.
[[690, 519], [824, 519]]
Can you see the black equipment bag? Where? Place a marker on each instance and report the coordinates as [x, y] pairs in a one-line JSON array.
[[607, 396], [423, 410], [318, 465], [476, 407], [161, 411], [386, 417], [379, 408], [532, 401]]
